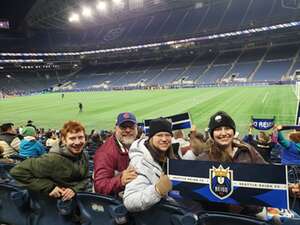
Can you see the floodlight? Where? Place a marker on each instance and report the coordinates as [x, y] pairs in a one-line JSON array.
[[101, 6], [86, 11], [74, 18], [118, 3]]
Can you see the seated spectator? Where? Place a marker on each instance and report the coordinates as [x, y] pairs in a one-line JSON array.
[[9, 140], [105, 134], [198, 144], [93, 144], [184, 145], [141, 133], [52, 139], [2, 160], [263, 144], [30, 146], [295, 190], [111, 171], [149, 158], [30, 124], [223, 147], [63, 171], [291, 148]]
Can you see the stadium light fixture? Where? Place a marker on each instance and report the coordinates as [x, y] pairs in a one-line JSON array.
[[118, 4], [87, 12], [101, 6], [74, 18]]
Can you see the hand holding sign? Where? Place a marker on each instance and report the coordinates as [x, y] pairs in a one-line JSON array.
[[164, 185]]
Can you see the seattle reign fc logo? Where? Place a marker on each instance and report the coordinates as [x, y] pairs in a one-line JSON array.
[[221, 182]]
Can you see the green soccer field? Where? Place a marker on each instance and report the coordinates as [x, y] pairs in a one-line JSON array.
[[101, 108]]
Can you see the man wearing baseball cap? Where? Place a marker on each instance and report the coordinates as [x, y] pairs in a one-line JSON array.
[[111, 171]]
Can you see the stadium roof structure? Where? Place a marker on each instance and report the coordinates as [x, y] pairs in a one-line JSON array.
[[15, 11], [45, 27], [54, 14]]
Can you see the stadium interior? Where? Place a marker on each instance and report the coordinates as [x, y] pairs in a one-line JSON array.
[[66, 46], [269, 55]]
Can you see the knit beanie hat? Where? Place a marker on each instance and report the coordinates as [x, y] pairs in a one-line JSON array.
[[220, 119], [159, 125], [28, 131]]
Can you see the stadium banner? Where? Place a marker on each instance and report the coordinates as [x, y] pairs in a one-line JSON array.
[[179, 121], [263, 124], [230, 183], [141, 125], [291, 127]]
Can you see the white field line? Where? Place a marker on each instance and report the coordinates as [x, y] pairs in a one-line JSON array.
[[265, 97]]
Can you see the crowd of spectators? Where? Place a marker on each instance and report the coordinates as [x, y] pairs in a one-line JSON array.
[[128, 165]]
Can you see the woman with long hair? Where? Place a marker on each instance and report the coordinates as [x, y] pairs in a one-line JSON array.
[[149, 159], [224, 147]]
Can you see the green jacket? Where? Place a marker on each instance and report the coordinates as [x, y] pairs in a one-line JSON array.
[[57, 168]]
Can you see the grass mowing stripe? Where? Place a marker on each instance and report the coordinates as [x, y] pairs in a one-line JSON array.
[[101, 108]]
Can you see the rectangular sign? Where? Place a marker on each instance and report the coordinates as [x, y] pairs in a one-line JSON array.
[[179, 121], [231, 183], [4, 24], [263, 124]]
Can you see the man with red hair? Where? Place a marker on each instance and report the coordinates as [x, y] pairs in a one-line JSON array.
[[63, 171]]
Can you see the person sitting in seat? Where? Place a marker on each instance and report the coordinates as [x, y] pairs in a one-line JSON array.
[[30, 147], [224, 147], [63, 171], [290, 154], [149, 159], [9, 140], [111, 171]]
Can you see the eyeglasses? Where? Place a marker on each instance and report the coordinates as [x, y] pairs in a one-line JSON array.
[[125, 126]]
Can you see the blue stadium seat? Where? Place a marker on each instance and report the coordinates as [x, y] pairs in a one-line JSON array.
[[97, 209], [18, 157], [294, 221], [46, 210], [14, 205], [212, 218], [5, 177], [164, 213]]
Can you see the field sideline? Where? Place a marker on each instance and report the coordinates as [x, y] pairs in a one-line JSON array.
[[101, 108]]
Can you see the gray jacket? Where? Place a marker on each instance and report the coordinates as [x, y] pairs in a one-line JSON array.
[[140, 194], [10, 144]]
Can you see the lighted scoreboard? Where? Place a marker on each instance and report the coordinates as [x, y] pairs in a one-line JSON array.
[[4, 24]]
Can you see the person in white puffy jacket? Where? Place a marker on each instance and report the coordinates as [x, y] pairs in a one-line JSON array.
[[149, 159]]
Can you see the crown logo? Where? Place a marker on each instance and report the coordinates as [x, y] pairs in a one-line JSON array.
[[221, 172]]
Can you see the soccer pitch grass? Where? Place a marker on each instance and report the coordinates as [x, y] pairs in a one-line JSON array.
[[101, 108]]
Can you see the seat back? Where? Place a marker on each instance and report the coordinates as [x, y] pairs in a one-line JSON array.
[[97, 209], [164, 213], [14, 205], [5, 177], [213, 218], [46, 210]]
